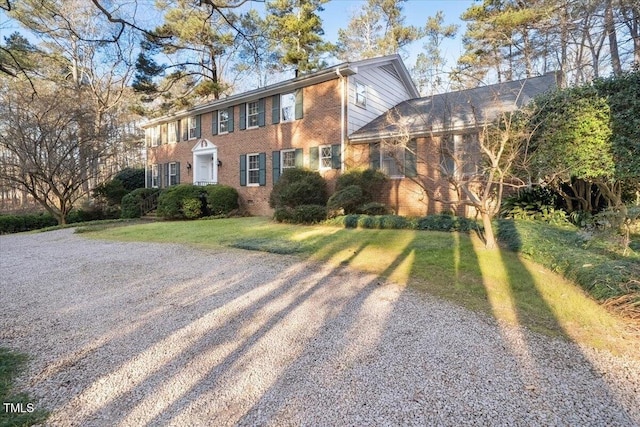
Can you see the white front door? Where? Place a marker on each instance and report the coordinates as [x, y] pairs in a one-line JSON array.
[[204, 169], [205, 163]]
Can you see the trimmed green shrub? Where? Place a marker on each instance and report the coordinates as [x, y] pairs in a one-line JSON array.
[[393, 222], [192, 208], [303, 214], [171, 202], [374, 208], [132, 201], [283, 214], [366, 221], [131, 178], [221, 199], [351, 221], [111, 192], [445, 222], [309, 214], [19, 223], [123, 182], [298, 187], [371, 181], [347, 199]]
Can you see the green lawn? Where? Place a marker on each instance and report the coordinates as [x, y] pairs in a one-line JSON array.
[[16, 409], [452, 266]]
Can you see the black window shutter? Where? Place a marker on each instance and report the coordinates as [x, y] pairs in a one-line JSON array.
[[177, 130], [177, 172], [374, 155], [275, 166], [410, 159], [314, 158], [262, 162], [299, 159], [261, 112], [336, 156], [299, 107], [198, 133], [160, 175], [243, 116], [230, 123], [275, 109], [243, 170], [167, 181], [149, 177], [185, 129], [214, 123]]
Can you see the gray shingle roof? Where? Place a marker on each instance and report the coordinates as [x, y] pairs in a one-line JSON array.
[[455, 110]]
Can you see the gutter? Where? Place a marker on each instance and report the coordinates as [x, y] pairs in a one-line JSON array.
[[274, 89]]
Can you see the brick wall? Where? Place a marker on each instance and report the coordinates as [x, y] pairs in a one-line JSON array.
[[320, 125], [407, 196]]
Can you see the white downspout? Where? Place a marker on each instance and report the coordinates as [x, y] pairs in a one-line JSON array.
[[342, 118], [146, 161]]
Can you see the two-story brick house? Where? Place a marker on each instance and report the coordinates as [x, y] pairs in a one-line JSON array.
[[247, 140], [331, 121]]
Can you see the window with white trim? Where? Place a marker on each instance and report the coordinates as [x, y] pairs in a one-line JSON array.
[[325, 157], [191, 125], [392, 160], [253, 111], [172, 133], [154, 136], [253, 169], [288, 107], [361, 95], [173, 173], [287, 159], [154, 176], [460, 154], [223, 121]]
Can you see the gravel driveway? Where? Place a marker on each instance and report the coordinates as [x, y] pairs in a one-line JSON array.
[[152, 334]]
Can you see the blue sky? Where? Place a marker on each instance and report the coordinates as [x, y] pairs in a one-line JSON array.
[[337, 14]]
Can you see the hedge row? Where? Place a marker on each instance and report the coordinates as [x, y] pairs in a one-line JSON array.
[[19, 223], [441, 222]]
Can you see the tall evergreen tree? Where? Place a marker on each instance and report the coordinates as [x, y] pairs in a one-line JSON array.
[[429, 69], [295, 30], [378, 29], [508, 39], [197, 40]]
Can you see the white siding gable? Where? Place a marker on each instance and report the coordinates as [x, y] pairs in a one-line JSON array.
[[385, 90]]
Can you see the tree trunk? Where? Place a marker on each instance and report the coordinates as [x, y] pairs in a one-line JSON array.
[[613, 40], [489, 237]]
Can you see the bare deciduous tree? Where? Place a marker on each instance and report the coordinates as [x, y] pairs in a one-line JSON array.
[[41, 141], [481, 139]]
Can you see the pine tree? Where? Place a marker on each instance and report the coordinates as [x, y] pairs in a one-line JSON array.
[[198, 38], [378, 29], [429, 68], [295, 30]]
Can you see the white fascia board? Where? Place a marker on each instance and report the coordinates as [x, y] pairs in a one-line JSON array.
[[252, 95]]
